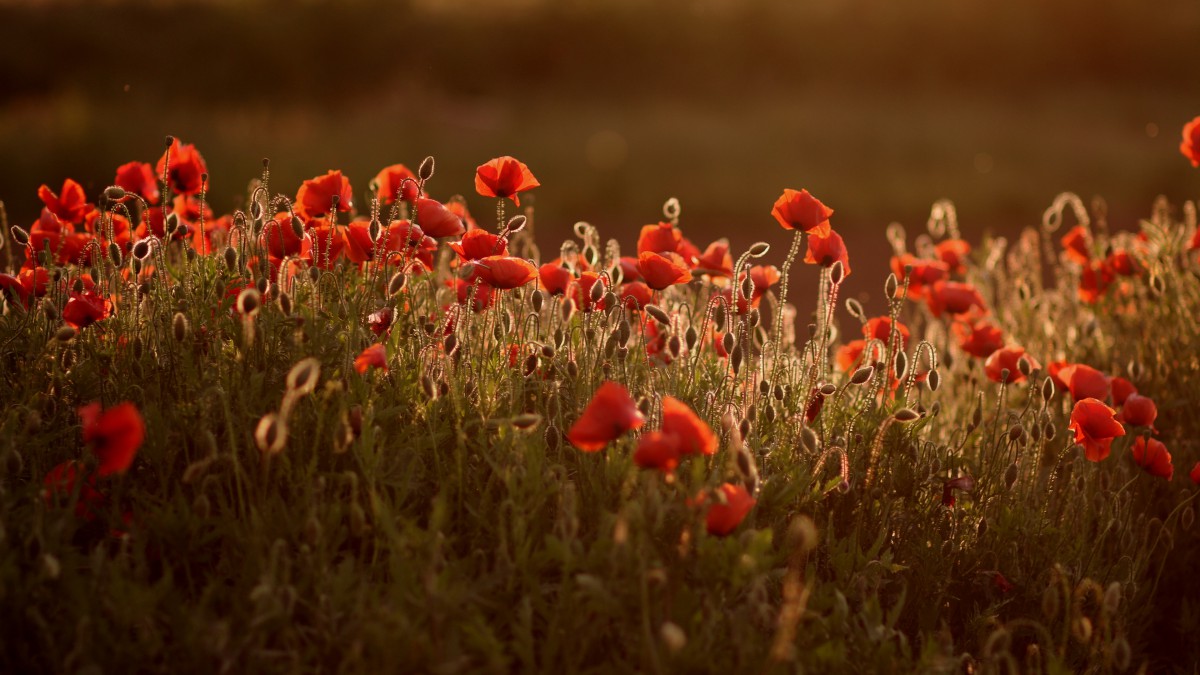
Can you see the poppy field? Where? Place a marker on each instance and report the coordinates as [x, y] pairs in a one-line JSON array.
[[369, 426]]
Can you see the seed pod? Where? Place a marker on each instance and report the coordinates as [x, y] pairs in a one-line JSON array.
[[271, 434], [861, 375], [934, 380], [658, 314], [759, 249], [905, 415], [889, 287], [515, 224], [425, 171]]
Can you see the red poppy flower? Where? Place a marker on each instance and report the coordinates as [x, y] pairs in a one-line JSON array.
[[1008, 358], [964, 483], [979, 339], [504, 177], [1077, 244], [1190, 147], [399, 239], [85, 309], [953, 252], [1054, 371], [925, 273], [582, 290], [483, 293], [880, 328], [70, 205], [139, 179], [60, 482], [952, 297], [610, 414], [457, 206], [635, 295], [1085, 382], [1139, 411], [279, 237], [802, 211], [187, 166], [1094, 280], [35, 281], [1122, 263], [114, 434], [315, 197], [323, 245], [505, 272], [660, 238], [554, 278], [815, 403], [732, 506], [629, 269], [204, 240], [1152, 456], [15, 290], [438, 221], [1095, 427], [393, 178], [476, 244], [716, 261], [695, 436], [374, 356], [380, 321], [848, 354], [657, 450], [826, 250], [1194, 474], [663, 270], [1121, 390]]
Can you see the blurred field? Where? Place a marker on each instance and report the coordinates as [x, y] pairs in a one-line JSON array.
[[879, 108]]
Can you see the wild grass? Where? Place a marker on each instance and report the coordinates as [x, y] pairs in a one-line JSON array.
[[433, 517]]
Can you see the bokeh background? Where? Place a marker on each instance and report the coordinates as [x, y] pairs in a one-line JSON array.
[[879, 107]]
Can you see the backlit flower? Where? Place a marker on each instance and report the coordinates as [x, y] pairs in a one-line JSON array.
[[1190, 147], [1095, 427], [610, 414], [504, 177], [799, 210], [1008, 358], [1152, 456], [114, 435], [824, 250], [186, 170], [695, 436], [731, 505], [315, 197], [374, 356]]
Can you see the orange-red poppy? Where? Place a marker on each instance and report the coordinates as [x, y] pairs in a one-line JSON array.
[[554, 278], [695, 436], [716, 261], [1190, 146], [1094, 280], [187, 168], [657, 450], [504, 272], [660, 238], [114, 435], [880, 328], [391, 179], [324, 243], [1008, 358], [582, 292], [504, 177], [60, 482], [953, 297], [1139, 411], [954, 253], [1085, 382], [1121, 390], [138, 178], [610, 414], [824, 250], [1095, 427], [85, 308], [925, 273], [476, 244], [1194, 474], [635, 295], [848, 354], [483, 293], [315, 197], [661, 270], [799, 210], [438, 221], [979, 338], [731, 506], [1152, 456], [374, 356], [380, 321], [70, 204], [279, 237], [1121, 262], [1077, 245]]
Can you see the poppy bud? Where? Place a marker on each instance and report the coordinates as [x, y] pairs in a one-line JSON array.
[[744, 427], [624, 332], [759, 249], [285, 302], [658, 314], [747, 287], [727, 343], [538, 300], [428, 387], [231, 258], [735, 358], [837, 273], [172, 223], [719, 317], [248, 301], [752, 317], [314, 274], [889, 288], [256, 210], [425, 171], [671, 208], [934, 381], [141, 250], [65, 334], [553, 438], [1010, 475], [374, 230], [516, 224], [689, 337], [1024, 366], [271, 434], [827, 390], [673, 346], [809, 439], [396, 283], [905, 415], [861, 375], [114, 253], [1047, 388], [1049, 431], [114, 193], [531, 364], [568, 309], [180, 327], [261, 284], [901, 365]]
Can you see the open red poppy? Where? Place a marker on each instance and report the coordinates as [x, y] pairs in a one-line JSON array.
[[476, 244], [826, 250], [186, 170], [799, 210], [374, 356], [1121, 390], [85, 309], [315, 197], [1077, 245], [924, 273], [138, 178], [1152, 456], [1084, 382], [880, 328], [504, 177], [504, 272], [1139, 411], [1190, 146], [662, 270], [483, 293], [391, 179], [660, 238], [979, 339], [695, 436], [114, 434], [733, 503], [657, 450], [610, 414], [964, 483], [1008, 358], [635, 295], [438, 221], [554, 278], [1095, 427], [70, 204], [955, 298], [954, 253], [60, 483], [716, 261]]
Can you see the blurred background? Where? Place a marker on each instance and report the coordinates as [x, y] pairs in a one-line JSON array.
[[878, 107]]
